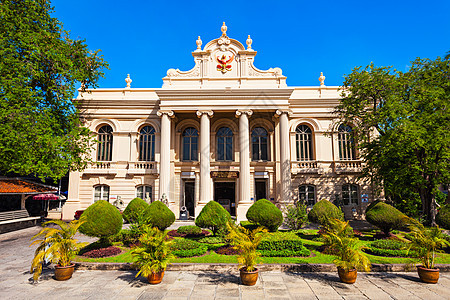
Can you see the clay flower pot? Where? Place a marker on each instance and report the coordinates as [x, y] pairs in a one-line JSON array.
[[428, 275], [64, 273], [155, 278], [347, 276], [248, 278]]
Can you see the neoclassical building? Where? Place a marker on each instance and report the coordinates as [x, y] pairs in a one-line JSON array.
[[223, 131]]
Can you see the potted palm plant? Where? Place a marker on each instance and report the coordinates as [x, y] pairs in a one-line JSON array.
[[347, 249], [245, 241], [425, 243], [57, 246], [153, 255]]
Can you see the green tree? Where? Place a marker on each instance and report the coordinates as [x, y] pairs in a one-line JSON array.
[[401, 122], [40, 128]]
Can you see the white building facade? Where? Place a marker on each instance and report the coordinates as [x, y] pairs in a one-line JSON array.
[[223, 131]]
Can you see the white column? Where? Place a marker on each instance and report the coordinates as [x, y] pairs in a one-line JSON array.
[[164, 168], [285, 156], [244, 164], [205, 159]]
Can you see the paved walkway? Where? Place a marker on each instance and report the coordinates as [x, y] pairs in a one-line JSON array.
[[15, 282]]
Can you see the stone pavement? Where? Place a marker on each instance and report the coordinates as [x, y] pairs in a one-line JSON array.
[[15, 282]]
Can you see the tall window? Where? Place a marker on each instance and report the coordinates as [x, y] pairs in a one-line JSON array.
[[346, 143], [147, 144], [307, 195], [105, 142], [303, 137], [190, 144], [350, 194], [259, 144], [101, 192], [144, 192], [224, 144]]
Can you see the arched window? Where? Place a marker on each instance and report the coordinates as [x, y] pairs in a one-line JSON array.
[[350, 194], [346, 143], [144, 192], [303, 137], [224, 144], [259, 144], [147, 144], [190, 144], [105, 143], [101, 192], [307, 194]]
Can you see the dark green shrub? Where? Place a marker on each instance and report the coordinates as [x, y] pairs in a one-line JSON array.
[[385, 216], [389, 248], [249, 225], [189, 230], [213, 216], [324, 210], [103, 220], [443, 217], [282, 244], [158, 215], [296, 216], [211, 240], [187, 248], [265, 213], [134, 209]]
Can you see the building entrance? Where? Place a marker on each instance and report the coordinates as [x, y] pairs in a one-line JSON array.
[[224, 193], [260, 189], [189, 197]]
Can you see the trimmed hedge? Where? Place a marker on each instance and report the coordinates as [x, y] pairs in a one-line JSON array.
[[285, 253], [158, 215], [385, 216], [134, 209], [189, 230], [393, 248], [213, 216], [211, 240], [103, 220], [265, 213], [188, 248], [443, 217], [324, 210], [282, 245]]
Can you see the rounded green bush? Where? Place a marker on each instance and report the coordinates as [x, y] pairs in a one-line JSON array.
[[324, 210], [443, 217], [189, 229], [213, 216], [102, 220], [134, 209], [188, 248], [158, 215], [265, 213], [385, 216]]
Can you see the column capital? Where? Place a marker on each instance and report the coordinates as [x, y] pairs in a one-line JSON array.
[[279, 112], [239, 112], [209, 113], [162, 112]]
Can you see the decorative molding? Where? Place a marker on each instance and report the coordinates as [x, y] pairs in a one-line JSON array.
[[169, 113], [255, 72], [210, 113], [279, 112], [239, 112], [128, 81]]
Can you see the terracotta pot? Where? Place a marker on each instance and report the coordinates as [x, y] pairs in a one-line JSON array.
[[428, 275], [64, 273], [155, 278], [249, 278], [347, 276]]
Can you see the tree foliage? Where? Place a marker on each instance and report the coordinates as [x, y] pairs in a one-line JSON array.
[[401, 122], [40, 128]]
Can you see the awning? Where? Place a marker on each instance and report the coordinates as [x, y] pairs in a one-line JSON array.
[[45, 197]]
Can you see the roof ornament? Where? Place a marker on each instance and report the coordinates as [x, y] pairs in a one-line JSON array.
[[224, 29], [199, 44], [249, 43], [322, 79], [128, 81]]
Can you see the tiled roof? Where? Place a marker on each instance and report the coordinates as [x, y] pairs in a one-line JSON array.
[[20, 186]]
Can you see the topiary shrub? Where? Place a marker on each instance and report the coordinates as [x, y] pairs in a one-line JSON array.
[[265, 213], [189, 230], [324, 210], [443, 217], [103, 220], [188, 248], [134, 209], [385, 216], [158, 215], [213, 216]]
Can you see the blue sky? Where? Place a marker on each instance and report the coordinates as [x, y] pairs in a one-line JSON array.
[[304, 38]]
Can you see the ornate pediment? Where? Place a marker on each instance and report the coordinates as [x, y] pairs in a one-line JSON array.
[[224, 62]]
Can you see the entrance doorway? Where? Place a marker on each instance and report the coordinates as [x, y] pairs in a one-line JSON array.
[[260, 189], [224, 193], [189, 197]]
